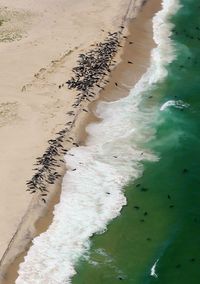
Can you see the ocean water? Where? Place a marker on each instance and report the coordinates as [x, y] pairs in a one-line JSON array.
[[130, 212]]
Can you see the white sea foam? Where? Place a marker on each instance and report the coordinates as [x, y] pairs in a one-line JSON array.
[[93, 194], [153, 269], [165, 51], [174, 103]]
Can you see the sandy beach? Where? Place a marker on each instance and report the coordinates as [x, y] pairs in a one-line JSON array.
[[38, 49]]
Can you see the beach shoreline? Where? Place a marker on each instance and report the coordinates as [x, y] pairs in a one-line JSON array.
[[141, 62]]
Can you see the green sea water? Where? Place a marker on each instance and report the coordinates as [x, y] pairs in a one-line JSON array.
[[161, 222]]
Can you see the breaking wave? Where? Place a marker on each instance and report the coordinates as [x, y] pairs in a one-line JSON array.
[[173, 103]]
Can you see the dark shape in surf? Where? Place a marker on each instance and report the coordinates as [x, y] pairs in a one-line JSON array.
[[185, 171], [136, 207], [144, 189]]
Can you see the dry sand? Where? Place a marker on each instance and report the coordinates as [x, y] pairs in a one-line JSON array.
[[39, 45], [42, 48]]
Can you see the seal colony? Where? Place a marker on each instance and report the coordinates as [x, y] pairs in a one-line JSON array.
[[89, 75]]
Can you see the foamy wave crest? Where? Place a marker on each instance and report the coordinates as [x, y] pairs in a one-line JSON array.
[[92, 189], [172, 103], [153, 269], [165, 52]]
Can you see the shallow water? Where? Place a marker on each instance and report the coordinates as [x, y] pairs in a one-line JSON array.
[[156, 239]]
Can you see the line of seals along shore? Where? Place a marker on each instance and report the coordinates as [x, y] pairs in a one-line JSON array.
[[91, 72]]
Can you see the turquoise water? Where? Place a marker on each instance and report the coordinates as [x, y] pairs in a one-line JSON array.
[[161, 221]]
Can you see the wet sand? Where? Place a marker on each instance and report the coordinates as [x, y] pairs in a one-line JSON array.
[[137, 48]]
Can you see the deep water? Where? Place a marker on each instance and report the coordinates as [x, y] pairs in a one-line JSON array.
[[161, 222]]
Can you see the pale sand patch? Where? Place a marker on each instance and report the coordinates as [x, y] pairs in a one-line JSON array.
[[13, 24], [43, 105]]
